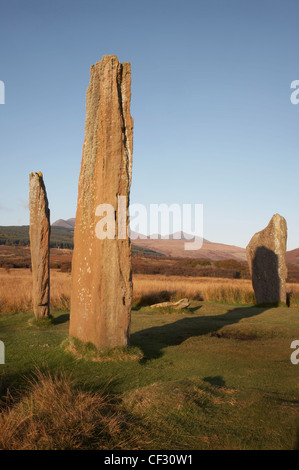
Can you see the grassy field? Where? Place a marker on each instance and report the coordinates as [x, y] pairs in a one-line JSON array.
[[216, 376]]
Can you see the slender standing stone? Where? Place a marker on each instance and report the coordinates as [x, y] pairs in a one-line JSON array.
[[266, 258], [39, 244], [101, 268]]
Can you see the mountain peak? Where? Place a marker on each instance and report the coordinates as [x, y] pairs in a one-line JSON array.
[[70, 223]]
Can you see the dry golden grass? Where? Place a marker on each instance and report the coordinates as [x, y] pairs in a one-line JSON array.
[[149, 289], [55, 414], [16, 290]]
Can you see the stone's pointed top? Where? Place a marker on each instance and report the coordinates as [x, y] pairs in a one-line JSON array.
[[106, 59], [279, 223], [37, 186], [36, 173], [109, 57], [36, 180]]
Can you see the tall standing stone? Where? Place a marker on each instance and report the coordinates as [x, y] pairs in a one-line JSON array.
[[39, 244], [266, 258], [101, 268]]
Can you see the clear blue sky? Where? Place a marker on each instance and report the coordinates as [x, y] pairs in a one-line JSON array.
[[210, 100]]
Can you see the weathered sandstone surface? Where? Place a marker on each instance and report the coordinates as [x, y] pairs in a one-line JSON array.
[[266, 253], [39, 244], [101, 269]]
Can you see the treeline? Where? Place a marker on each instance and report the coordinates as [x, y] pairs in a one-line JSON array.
[[60, 238], [19, 236], [229, 268], [17, 263], [164, 265], [142, 251]]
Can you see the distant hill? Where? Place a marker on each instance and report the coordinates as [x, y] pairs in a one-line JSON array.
[[173, 246], [70, 223], [62, 232], [61, 237], [293, 256], [176, 248]]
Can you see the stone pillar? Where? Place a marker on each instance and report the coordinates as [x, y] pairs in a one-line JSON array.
[[266, 258], [39, 244], [101, 268]]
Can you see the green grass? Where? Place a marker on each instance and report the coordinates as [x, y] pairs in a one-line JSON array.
[[215, 377], [89, 352]]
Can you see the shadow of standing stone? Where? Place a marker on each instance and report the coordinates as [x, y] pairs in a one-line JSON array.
[[266, 258]]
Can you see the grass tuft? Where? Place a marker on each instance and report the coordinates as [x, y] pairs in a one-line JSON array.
[[55, 414], [89, 352], [41, 322]]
